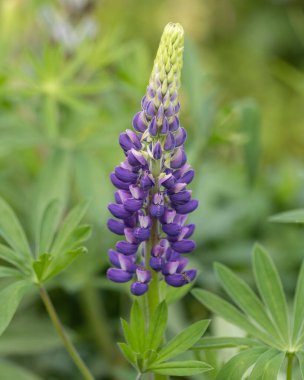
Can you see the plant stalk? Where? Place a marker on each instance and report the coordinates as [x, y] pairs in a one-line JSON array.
[[61, 332], [153, 296], [290, 357]]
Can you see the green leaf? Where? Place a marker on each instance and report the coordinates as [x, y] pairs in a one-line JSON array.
[[183, 341], [68, 227], [137, 325], [11, 257], [273, 367], [293, 216], [128, 353], [262, 364], [128, 334], [47, 227], [77, 237], [9, 272], [300, 356], [10, 371], [175, 294], [10, 297], [245, 298], [59, 264], [231, 314], [236, 367], [157, 327], [298, 309], [182, 368], [41, 265], [12, 232], [271, 290], [229, 342]]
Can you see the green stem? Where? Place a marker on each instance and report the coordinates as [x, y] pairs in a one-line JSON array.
[[290, 357], [61, 332], [153, 296]]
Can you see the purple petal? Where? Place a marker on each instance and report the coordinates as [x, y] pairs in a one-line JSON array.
[[136, 192], [134, 138], [170, 267], [165, 127], [169, 216], [153, 127], [181, 197], [180, 279], [150, 109], [179, 158], [147, 181], [141, 234], [136, 158], [126, 248], [118, 275], [169, 142], [118, 211], [157, 151], [125, 175], [133, 205], [187, 207], [183, 262], [118, 183], [126, 263], [157, 211], [139, 122], [131, 221], [180, 136], [138, 289], [116, 226], [188, 231], [173, 126], [144, 220], [167, 181], [184, 246], [187, 177], [156, 263], [172, 229], [143, 276], [113, 257]]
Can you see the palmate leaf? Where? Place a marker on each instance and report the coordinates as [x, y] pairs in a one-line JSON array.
[[246, 299], [183, 368], [10, 256], [10, 297], [157, 327], [227, 342], [12, 232], [271, 290], [263, 364], [231, 314], [68, 227], [236, 367], [298, 310], [182, 341]]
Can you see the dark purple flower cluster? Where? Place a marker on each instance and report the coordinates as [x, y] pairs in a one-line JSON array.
[[152, 201]]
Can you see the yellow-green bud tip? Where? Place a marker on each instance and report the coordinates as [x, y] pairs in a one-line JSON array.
[[169, 57]]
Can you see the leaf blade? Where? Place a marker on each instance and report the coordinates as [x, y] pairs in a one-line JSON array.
[[181, 368], [183, 341]]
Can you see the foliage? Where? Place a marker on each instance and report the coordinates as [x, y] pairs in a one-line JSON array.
[[273, 337]]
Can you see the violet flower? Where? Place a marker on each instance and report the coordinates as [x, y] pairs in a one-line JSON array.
[[152, 201]]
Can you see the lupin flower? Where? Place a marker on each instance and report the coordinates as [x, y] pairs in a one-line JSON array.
[[152, 201]]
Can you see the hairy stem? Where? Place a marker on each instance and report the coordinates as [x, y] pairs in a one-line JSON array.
[[65, 339], [290, 357]]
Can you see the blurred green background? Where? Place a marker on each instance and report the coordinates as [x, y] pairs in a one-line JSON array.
[[72, 74]]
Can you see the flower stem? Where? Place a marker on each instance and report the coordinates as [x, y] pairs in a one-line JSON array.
[[60, 330], [290, 357], [153, 296]]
